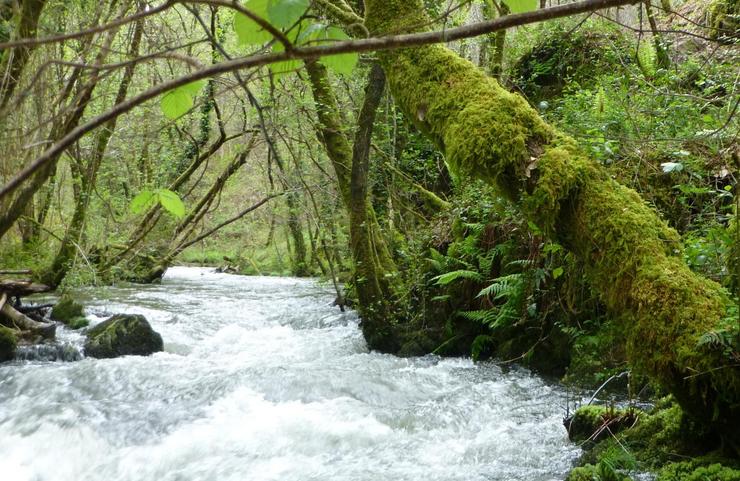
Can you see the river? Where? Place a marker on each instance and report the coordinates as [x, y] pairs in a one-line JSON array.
[[263, 379]]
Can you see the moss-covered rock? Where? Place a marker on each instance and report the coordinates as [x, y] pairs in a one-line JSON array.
[[67, 309], [598, 422], [122, 335], [724, 20], [660, 441], [8, 344]]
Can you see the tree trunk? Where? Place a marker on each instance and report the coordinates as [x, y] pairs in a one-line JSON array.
[[373, 289], [70, 243], [663, 60], [633, 258], [14, 61], [372, 261]]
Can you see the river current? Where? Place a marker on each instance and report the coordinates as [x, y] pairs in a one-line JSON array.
[[263, 379]]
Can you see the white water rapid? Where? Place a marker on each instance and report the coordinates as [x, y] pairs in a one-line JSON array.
[[262, 379]]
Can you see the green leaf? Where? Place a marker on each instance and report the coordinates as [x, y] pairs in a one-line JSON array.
[[521, 6], [193, 88], [248, 31], [343, 63], [279, 69], [171, 202], [669, 167], [142, 201], [176, 103], [557, 272], [284, 13]]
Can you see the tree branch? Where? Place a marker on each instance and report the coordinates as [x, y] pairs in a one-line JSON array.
[[306, 53]]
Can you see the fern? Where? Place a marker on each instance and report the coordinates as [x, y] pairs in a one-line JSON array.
[[720, 339], [502, 286], [436, 260], [484, 316], [480, 344], [448, 277], [521, 263]]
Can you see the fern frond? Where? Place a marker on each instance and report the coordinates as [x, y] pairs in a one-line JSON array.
[[449, 277]]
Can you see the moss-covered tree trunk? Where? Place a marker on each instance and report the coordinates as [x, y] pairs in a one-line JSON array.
[[373, 264], [633, 258], [372, 284]]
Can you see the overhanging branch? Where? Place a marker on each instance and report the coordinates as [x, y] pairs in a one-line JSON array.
[[304, 53]]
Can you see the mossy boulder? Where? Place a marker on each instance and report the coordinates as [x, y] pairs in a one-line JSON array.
[[122, 335], [595, 423], [8, 344], [67, 310], [660, 441]]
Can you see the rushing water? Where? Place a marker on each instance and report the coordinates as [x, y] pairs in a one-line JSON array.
[[262, 379]]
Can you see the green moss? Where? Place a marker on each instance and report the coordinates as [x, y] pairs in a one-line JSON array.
[[601, 472], [584, 473], [8, 343], [695, 471], [78, 323], [662, 436], [598, 422], [457, 105], [67, 310], [724, 19]]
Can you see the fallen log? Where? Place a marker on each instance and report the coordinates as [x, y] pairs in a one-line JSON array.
[[10, 317], [21, 288]]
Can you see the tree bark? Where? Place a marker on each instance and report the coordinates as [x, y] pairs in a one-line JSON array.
[[633, 258], [373, 264], [373, 289], [14, 61]]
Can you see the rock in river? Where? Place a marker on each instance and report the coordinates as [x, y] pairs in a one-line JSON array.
[[122, 335]]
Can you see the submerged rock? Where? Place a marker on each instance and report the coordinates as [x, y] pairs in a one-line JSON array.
[[122, 335], [8, 344]]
